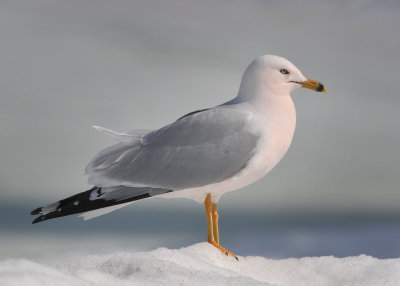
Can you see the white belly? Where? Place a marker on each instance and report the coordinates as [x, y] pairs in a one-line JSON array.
[[276, 129]]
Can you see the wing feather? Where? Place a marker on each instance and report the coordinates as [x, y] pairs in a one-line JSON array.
[[196, 150]]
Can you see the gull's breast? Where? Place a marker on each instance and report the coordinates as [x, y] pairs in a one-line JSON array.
[[276, 128]]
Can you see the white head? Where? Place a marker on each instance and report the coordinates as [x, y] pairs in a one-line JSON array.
[[270, 75]]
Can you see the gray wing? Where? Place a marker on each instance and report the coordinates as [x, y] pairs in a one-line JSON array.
[[199, 149]]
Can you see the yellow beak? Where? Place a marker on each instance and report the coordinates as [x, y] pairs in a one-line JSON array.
[[314, 85]]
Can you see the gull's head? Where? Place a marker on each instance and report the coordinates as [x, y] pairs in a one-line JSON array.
[[275, 75]]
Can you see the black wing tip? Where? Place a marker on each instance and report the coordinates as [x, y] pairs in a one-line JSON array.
[[36, 211], [38, 219], [42, 218], [47, 216], [82, 202]]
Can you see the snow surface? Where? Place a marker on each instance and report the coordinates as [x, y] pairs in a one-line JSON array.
[[201, 264]]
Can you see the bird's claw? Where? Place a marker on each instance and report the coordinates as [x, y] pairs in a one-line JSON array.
[[224, 250]]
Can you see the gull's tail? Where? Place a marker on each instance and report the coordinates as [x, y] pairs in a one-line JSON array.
[[96, 201]]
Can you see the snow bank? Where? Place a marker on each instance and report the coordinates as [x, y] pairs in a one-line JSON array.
[[201, 264]]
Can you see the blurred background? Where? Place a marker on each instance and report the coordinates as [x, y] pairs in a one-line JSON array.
[[68, 65]]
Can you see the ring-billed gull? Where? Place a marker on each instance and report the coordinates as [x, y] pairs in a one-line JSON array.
[[201, 155]]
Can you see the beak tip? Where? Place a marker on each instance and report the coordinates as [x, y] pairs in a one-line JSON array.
[[321, 87], [313, 85]]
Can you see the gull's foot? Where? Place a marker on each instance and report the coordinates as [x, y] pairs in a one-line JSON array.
[[224, 250]]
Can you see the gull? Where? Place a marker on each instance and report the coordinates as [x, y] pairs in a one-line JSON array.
[[201, 155]]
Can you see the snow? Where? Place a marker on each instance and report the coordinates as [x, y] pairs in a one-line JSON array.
[[201, 264]]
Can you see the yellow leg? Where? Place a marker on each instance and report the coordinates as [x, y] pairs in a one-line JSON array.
[[215, 222], [212, 225], [208, 207]]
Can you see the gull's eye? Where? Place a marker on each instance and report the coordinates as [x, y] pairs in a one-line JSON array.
[[284, 71]]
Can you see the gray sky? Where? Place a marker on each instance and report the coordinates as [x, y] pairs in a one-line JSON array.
[[67, 65]]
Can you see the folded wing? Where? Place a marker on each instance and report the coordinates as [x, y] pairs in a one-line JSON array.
[[196, 150]]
